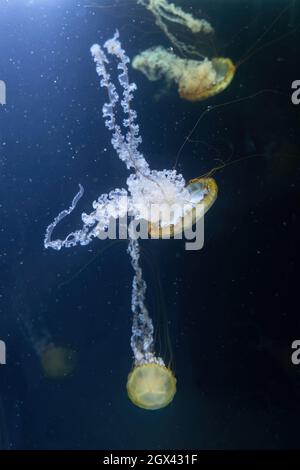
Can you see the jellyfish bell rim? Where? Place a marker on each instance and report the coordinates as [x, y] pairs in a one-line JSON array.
[[210, 188], [225, 68], [133, 378]]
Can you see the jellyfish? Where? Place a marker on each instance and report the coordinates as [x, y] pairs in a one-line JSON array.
[[159, 198], [195, 79], [57, 361], [196, 76]]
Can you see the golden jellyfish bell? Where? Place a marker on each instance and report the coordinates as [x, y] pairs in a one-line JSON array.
[[196, 80], [151, 386], [203, 193], [197, 89]]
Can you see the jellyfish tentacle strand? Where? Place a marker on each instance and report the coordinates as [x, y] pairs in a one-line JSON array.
[[164, 11], [142, 342], [169, 11], [125, 146], [58, 244]]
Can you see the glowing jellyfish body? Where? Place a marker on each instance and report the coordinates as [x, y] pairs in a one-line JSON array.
[[151, 386], [194, 88], [195, 79], [157, 197], [202, 194], [58, 362]]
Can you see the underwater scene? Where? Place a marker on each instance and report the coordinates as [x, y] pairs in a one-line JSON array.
[[149, 202]]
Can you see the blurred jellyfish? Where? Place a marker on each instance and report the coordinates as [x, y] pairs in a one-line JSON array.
[[56, 361], [151, 384]]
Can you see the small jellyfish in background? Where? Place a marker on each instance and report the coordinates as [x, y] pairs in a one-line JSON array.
[[56, 361], [196, 79], [151, 384], [196, 76]]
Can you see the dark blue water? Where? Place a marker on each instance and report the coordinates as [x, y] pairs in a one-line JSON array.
[[232, 307]]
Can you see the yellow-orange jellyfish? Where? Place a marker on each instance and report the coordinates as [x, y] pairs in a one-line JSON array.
[[203, 193], [195, 89], [195, 79], [151, 386]]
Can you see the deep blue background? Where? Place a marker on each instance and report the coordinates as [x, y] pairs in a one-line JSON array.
[[232, 307]]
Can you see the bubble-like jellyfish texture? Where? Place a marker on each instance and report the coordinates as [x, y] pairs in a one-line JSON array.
[[196, 80], [58, 362], [195, 89], [202, 194], [151, 386]]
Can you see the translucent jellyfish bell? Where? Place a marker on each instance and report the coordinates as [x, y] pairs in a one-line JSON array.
[[151, 386], [195, 79], [202, 194], [193, 90]]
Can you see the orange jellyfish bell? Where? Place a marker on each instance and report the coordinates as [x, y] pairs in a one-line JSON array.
[[195, 79], [197, 88], [203, 193]]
